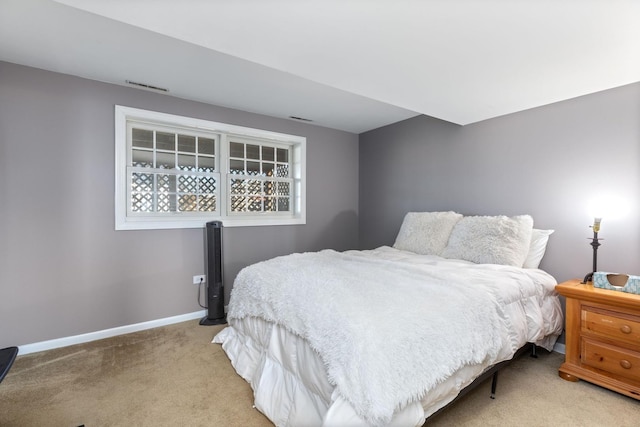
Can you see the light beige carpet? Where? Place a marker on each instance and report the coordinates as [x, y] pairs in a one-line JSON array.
[[174, 376]]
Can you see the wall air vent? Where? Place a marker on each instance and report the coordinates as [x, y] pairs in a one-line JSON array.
[[146, 86], [302, 119]]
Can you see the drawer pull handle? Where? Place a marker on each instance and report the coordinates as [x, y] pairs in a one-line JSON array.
[[625, 329], [625, 364]]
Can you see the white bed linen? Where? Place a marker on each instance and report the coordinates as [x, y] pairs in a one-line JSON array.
[[290, 380]]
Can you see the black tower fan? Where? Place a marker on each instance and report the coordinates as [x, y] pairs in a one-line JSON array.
[[215, 288]]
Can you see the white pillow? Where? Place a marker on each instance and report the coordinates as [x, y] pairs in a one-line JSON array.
[[491, 240], [539, 240], [426, 233]]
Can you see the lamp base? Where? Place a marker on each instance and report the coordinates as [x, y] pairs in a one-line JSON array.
[[587, 278]]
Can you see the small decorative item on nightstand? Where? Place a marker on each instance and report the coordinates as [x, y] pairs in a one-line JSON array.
[[617, 282], [602, 337]]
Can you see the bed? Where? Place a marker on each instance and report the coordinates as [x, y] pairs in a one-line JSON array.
[[389, 336]]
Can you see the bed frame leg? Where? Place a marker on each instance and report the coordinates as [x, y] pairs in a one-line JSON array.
[[494, 384], [494, 380]]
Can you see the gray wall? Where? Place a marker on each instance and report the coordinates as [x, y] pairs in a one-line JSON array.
[[548, 162], [65, 271]]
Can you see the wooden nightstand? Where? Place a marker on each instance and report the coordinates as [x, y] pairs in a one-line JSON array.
[[602, 337]]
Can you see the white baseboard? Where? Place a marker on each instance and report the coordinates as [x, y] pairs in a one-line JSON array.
[[559, 348], [107, 333]]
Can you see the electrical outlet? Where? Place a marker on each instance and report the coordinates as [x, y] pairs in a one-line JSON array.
[[199, 279]]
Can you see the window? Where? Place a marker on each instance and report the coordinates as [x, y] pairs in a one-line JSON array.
[[259, 177], [179, 172], [171, 171]]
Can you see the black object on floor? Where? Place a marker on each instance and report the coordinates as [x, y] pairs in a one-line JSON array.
[[215, 288], [7, 356]]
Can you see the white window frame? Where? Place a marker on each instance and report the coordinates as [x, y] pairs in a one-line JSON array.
[[222, 132]]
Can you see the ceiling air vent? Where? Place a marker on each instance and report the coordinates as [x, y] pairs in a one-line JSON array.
[[146, 86], [302, 119]]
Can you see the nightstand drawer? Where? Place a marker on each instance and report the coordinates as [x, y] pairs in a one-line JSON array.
[[611, 359], [612, 325]]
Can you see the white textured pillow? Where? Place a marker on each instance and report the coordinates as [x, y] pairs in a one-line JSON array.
[[426, 233], [491, 240], [537, 248]]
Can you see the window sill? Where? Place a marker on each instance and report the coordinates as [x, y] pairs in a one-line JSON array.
[[171, 223]]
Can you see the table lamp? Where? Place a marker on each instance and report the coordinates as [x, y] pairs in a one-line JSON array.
[[595, 242]]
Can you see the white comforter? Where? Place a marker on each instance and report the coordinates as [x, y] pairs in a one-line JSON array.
[[390, 326]]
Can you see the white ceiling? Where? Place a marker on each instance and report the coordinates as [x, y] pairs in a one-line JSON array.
[[353, 65]]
